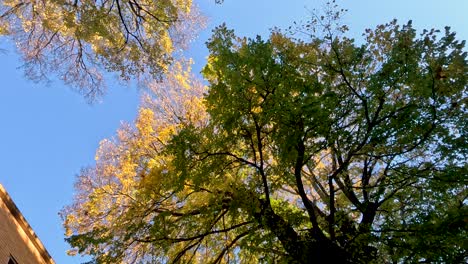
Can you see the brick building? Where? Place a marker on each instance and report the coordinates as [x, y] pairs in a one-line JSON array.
[[18, 242]]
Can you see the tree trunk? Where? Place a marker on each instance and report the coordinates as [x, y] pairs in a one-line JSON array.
[[302, 249]]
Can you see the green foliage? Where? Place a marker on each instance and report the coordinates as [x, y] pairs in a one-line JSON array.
[[320, 150]]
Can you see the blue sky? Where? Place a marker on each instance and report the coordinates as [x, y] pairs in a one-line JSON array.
[[48, 132]]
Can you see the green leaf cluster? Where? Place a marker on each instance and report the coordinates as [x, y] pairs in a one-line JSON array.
[[310, 151]]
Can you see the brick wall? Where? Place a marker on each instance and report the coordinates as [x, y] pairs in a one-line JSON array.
[[16, 236]]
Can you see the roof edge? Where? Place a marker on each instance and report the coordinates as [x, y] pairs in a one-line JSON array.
[[16, 213]]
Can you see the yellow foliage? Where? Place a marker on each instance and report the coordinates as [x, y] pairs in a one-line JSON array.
[[144, 122], [3, 28]]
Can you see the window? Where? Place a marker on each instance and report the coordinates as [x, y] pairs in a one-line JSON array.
[[12, 260]]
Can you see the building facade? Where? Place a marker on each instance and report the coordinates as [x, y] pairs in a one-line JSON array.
[[18, 242]]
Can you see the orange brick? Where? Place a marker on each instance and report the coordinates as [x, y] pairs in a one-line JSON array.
[[17, 238]]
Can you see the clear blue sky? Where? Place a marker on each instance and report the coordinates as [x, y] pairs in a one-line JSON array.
[[48, 132]]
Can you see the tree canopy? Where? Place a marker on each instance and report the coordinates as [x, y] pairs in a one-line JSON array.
[[78, 40], [300, 151]]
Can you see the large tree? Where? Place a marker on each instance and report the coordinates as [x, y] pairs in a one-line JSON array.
[[79, 39], [317, 151]]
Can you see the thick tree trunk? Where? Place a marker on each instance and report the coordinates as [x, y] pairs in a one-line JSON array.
[[323, 252], [302, 249]]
